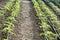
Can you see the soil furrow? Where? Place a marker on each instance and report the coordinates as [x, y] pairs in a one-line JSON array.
[[26, 25]]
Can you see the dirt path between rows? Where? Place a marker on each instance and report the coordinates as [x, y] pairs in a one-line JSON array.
[[26, 25]]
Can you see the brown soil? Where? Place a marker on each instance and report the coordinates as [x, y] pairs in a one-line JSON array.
[[2, 19], [26, 25]]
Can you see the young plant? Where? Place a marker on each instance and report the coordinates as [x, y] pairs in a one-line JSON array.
[[44, 26], [8, 26], [7, 7], [55, 8], [50, 15]]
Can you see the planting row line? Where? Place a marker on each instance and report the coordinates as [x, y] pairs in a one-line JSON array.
[[45, 28], [47, 11], [51, 17], [54, 7], [7, 7], [57, 4], [9, 25]]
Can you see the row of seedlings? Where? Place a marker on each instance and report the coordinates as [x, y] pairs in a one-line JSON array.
[[45, 28], [7, 7], [57, 4], [55, 23], [9, 25], [54, 7]]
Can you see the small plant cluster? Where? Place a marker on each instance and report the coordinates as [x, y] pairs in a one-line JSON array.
[[54, 7], [52, 17], [9, 25], [48, 21], [7, 7], [50, 14], [56, 4]]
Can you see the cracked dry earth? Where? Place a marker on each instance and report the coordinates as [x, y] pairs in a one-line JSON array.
[[26, 23]]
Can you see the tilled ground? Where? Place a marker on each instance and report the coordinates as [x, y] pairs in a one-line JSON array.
[[26, 25]]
